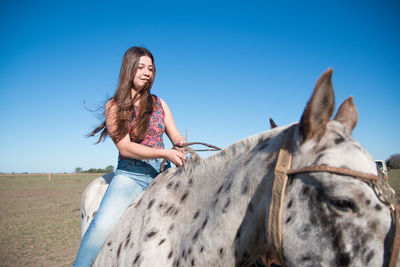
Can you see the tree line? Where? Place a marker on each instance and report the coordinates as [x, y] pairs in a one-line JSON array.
[[394, 161], [108, 169]]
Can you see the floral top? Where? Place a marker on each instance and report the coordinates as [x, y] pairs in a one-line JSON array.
[[154, 136]]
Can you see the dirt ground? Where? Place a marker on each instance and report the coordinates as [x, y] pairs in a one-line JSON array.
[[39, 219]]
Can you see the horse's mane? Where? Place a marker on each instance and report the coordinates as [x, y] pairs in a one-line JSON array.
[[230, 152]]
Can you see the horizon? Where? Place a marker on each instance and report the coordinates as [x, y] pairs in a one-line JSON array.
[[223, 67]]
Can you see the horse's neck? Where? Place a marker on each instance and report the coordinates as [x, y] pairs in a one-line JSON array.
[[235, 192]]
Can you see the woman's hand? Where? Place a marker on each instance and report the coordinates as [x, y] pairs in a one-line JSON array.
[[176, 157]]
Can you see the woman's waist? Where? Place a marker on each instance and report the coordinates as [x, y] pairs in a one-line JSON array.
[[128, 164]]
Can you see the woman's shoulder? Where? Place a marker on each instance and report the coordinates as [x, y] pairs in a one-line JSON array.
[[159, 101], [110, 105]]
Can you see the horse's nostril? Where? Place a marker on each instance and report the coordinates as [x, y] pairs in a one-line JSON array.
[[344, 259]]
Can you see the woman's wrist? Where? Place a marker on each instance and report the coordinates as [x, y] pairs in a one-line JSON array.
[[181, 141]]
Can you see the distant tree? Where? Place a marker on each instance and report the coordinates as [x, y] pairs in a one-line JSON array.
[[109, 168], [78, 170], [394, 161]]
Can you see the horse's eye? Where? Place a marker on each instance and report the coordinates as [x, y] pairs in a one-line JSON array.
[[343, 204]]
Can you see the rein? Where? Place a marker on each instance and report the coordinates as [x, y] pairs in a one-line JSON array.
[[283, 168], [190, 150]]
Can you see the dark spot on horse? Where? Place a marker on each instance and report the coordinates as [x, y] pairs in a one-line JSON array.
[[288, 220], [109, 243], [201, 249], [183, 254], [169, 185], [184, 196], [228, 187], [137, 204], [220, 188], [150, 204], [190, 182], [94, 213], [82, 216], [221, 252], [161, 205], [176, 212], [321, 149], [225, 208], [238, 234], [215, 202], [128, 238], [196, 214], [378, 207], [170, 254], [305, 190], [119, 250], [192, 262], [318, 158], [245, 189], [151, 234], [372, 226], [169, 209], [344, 259], [368, 202], [171, 227], [189, 250], [196, 235], [290, 204], [370, 256], [176, 185], [204, 223], [250, 207], [339, 140], [87, 219], [162, 241], [136, 258]]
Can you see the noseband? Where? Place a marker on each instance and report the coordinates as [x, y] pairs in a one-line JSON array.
[[283, 168]]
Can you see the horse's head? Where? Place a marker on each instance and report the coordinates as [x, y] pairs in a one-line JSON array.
[[333, 218]]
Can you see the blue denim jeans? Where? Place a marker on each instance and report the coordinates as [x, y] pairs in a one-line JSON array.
[[130, 178]]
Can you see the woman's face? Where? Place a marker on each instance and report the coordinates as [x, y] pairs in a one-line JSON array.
[[144, 72]]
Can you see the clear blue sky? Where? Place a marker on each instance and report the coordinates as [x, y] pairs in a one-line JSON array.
[[224, 68]]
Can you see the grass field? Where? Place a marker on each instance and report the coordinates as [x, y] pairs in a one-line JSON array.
[[39, 219]]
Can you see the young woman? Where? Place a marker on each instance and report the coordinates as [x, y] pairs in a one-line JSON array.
[[136, 120]]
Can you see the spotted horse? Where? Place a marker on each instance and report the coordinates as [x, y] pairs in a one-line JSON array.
[[307, 193]]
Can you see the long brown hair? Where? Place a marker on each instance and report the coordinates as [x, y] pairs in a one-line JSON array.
[[125, 103]]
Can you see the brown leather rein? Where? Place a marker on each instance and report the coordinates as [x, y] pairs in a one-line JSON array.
[[190, 150], [282, 169]]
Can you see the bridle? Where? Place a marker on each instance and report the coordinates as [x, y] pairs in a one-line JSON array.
[[283, 168]]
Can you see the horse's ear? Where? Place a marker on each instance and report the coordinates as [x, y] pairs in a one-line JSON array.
[[347, 115], [319, 108], [272, 124]]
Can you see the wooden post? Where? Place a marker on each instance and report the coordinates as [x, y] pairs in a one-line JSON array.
[[49, 176]]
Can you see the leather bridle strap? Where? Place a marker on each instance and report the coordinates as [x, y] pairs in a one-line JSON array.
[[323, 168], [396, 242], [283, 163]]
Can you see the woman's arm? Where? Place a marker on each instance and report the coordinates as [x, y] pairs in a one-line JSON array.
[[170, 126], [133, 150]]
